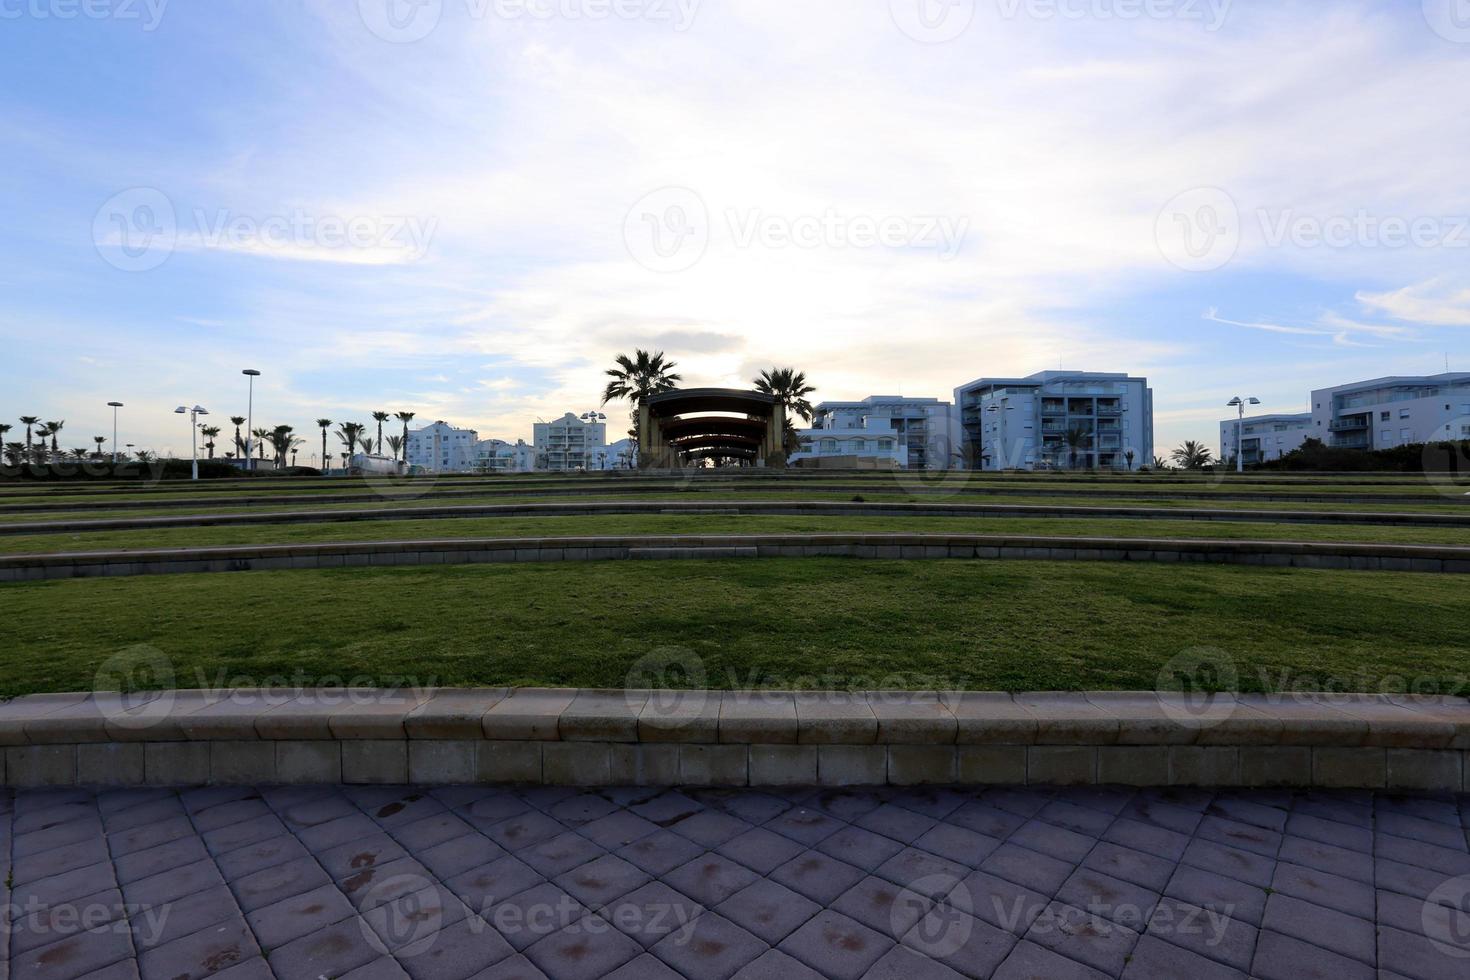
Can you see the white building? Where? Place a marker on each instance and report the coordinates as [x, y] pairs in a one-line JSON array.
[[1058, 420], [569, 444], [1264, 437], [907, 433], [499, 456], [441, 448], [622, 455], [1397, 411]]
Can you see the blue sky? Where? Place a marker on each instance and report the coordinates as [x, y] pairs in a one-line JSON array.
[[181, 179]]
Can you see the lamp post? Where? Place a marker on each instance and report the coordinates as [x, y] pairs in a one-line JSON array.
[[252, 374], [114, 406], [193, 414], [1239, 405]]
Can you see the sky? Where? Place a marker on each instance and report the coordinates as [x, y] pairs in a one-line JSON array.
[[467, 208]]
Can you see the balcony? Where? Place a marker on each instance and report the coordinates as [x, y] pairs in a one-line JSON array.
[[1357, 423]]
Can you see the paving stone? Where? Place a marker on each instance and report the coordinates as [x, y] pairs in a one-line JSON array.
[[861, 848], [155, 860], [1327, 857], [600, 881], [1028, 960], [453, 857], [280, 923], [73, 956], [455, 952], [1027, 868], [201, 954], [154, 926], [710, 828], [174, 884], [1209, 890], [259, 856], [1283, 958], [271, 885], [760, 850], [1211, 933], [652, 913], [1083, 937], [770, 965], [660, 852], [713, 947], [330, 952], [837, 945], [1113, 899], [710, 879], [962, 942], [529, 916], [1347, 935], [1154, 959], [1233, 862], [817, 876], [768, 910], [580, 952], [560, 853], [1324, 889]]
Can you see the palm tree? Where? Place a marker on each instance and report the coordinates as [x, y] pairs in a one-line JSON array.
[[80, 453], [42, 432], [4, 428], [1076, 439], [14, 453], [395, 444], [405, 418], [144, 455], [366, 441], [1159, 463], [1192, 455], [1129, 457], [53, 428], [260, 437], [101, 441], [789, 385], [380, 418], [282, 440], [237, 421], [209, 432], [636, 378], [326, 460], [347, 433], [28, 421]]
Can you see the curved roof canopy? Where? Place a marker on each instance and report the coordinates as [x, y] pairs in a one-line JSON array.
[[691, 401]]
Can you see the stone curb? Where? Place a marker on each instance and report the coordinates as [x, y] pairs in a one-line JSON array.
[[241, 558], [712, 738], [746, 508]]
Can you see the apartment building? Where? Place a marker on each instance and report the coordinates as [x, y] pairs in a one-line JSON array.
[[1057, 420], [442, 448], [570, 444], [1394, 411], [500, 456], [1264, 437], [906, 433]]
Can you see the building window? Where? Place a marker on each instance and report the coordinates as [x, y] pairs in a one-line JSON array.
[[829, 445], [1384, 416], [859, 446], [1404, 413], [885, 445]]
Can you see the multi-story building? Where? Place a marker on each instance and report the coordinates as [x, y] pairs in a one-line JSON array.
[[1057, 420], [570, 444], [499, 456], [914, 433], [1396, 411], [441, 448], [1264, 437], [622, 455]]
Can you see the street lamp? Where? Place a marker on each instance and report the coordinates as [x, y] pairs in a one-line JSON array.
[[114, 406], [252, 374], [193, 414], [1239, 405]]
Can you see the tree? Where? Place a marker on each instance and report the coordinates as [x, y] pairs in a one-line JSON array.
[[1192, 455], [54, 428], [326, 460], [789, 385], [4, 428], [42, 433], [283, 440], [636, 378], [15, 453], [395, 445], [209, 432], [260, 437], [1129, 457], [366, 441], [347, 433], [237, 421], [28, 421], [80, 452], [380, 418], [1076, 439], [405, 418], [1159, 463], [101, 441]]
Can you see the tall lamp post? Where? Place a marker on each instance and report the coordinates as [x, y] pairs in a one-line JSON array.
[[193, 414], [252, 374], [1239, 405], [114, 406]]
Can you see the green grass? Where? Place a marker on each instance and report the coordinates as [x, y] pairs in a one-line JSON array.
[[812, 623], [630, 524]]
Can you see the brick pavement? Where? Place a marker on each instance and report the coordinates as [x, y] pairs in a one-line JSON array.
[[383, 883]]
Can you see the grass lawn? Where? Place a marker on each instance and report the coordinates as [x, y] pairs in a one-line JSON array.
[[621, 524], [811, 623]]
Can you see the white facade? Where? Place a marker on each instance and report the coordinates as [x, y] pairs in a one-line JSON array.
[[570, 444], [1388, 412], [1025, 423], [622, 455], [1264, 437], [441, 448], [915, 433], [499, 456]]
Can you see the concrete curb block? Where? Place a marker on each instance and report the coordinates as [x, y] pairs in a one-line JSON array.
[[712, 738], [244, 558]]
